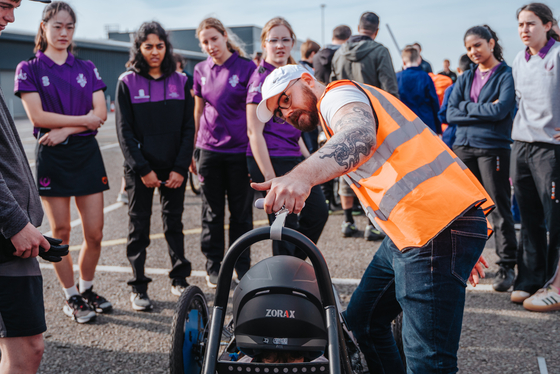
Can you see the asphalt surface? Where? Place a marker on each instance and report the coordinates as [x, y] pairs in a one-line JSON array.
[[497, 337]]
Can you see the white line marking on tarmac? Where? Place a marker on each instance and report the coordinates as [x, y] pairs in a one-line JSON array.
[[109, 243], [108, 146], [78, 221], [194, 273], [542, 365]]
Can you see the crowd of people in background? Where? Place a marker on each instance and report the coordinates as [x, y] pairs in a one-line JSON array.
[[502, 121]]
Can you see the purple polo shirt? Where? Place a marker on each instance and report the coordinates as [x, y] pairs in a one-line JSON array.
[[146, 90], [64, 89], [223, 124], [544, 50], [480, 80], [281, 138]]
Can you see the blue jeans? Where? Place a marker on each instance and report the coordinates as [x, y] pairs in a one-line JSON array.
[[428, 285]]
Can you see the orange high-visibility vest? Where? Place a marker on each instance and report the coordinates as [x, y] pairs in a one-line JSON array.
[[413, 186]]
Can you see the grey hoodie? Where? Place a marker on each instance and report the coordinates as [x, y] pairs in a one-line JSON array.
[[363, 60]]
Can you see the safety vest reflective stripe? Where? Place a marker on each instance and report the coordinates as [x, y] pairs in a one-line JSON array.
[[410, 181], [409, 175]]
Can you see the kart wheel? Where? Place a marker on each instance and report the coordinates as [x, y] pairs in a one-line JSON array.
[[189, 332]]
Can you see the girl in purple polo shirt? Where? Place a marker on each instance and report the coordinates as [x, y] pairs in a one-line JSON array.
[[276, 147], [536, 156], [220, 88], [63, 97]]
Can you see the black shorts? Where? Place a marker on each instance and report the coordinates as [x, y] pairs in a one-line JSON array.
[[72, 169], [22, 311]]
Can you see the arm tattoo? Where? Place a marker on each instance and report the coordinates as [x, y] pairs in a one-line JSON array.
[[356, 137]]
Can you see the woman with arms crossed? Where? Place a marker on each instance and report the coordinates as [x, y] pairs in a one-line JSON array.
[[63, 97]]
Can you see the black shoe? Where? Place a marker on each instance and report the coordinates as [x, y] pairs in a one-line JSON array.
[[78, 309], [504, 279], [371, 234], [348, 229], [96, 302]]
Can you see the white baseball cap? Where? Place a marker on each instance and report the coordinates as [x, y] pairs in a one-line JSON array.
[[274, 84]]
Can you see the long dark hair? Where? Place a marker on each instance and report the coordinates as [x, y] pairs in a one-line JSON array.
[[137, 61], [544, 13], [486, 33], [49, 12]]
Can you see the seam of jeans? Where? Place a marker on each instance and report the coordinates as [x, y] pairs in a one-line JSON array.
[[453, 254], [433, 309], [368, 328], [470, 234]]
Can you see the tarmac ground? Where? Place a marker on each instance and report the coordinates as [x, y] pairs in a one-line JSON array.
[[498, 336]]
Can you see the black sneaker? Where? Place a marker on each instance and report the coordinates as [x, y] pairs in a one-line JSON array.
[[504, 279], [349, 229], [371, 234], [78, 309], [96, 302]]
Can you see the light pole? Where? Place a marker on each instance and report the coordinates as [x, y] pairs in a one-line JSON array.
[[323, 24]]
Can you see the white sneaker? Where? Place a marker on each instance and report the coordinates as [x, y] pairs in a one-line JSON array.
[[519, 296], [122, 198], [544, 300], [178, 289], [140, 301]]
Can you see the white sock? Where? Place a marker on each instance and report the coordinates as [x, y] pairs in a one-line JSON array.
[[69, 292], [85, 285]]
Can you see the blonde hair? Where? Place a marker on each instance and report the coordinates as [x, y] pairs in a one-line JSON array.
[[278, 21], [234, 44]]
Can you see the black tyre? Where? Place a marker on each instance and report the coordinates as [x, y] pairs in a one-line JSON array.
[[194, 183], [189, 332], [397, 334]]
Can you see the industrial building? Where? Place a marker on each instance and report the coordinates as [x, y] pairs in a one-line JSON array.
[[109, 56]]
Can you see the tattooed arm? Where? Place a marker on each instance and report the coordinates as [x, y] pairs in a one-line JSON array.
[[352, 144]]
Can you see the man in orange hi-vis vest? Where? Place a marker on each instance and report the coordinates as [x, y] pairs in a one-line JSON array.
[[411, 186]]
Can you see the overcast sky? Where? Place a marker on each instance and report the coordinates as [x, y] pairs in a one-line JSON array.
[[439, 25]]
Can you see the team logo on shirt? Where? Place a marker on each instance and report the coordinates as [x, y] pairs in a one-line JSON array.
[[46, 81], [549, 65], [203, 80], [142, 95], [104, 180], [234, 80], [82, 81], [97, 73], [21, 76], [45, 183], [173, 91], [255, 88]]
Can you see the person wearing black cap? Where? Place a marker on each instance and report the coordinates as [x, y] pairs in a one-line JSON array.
[[22, 312]]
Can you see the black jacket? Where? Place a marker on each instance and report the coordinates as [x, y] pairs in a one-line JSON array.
[[155, 123], [322, 62]]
